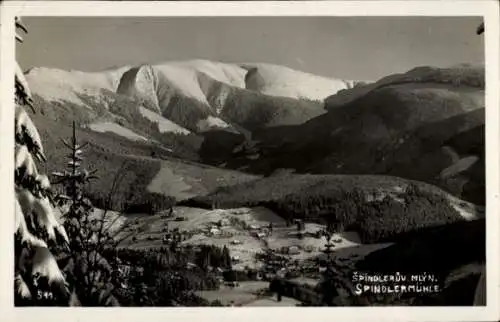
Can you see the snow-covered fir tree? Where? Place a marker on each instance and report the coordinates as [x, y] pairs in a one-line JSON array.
[[92, 275], [39, 234]]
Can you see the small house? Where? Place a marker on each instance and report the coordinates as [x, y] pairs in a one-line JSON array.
[[253, 226], [168, 213], [232, 284], [284, 250], [190, 265], [269, 276], [293, 250], [261, 235], [227, 234], [214, 231], [309, 248], [224, 222], [124, 269]]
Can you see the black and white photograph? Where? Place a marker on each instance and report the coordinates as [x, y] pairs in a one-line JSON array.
[[250, 161]]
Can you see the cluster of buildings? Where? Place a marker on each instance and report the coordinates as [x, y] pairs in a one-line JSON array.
[[217, 229]]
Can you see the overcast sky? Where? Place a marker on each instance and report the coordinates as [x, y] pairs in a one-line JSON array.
[[343, 47]]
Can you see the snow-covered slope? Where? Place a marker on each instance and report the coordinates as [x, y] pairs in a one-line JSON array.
[[231, 74], [164, 125], [212, 122], [194, 93], [116, 129], [184, 76], [64, 86], [282, 81], [463, 75], [194, 79]]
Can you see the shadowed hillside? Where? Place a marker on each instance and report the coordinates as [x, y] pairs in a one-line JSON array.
[[402, 125], [428, 250], [376, 207]]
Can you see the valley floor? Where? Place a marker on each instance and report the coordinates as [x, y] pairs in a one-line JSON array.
[[245, 232]]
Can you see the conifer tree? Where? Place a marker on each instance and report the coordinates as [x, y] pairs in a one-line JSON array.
[[226, 258], [39, 235], [480, 29], [336, 285], [90, 235]]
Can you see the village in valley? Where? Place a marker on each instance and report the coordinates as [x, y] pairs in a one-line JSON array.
[[263, 247]]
